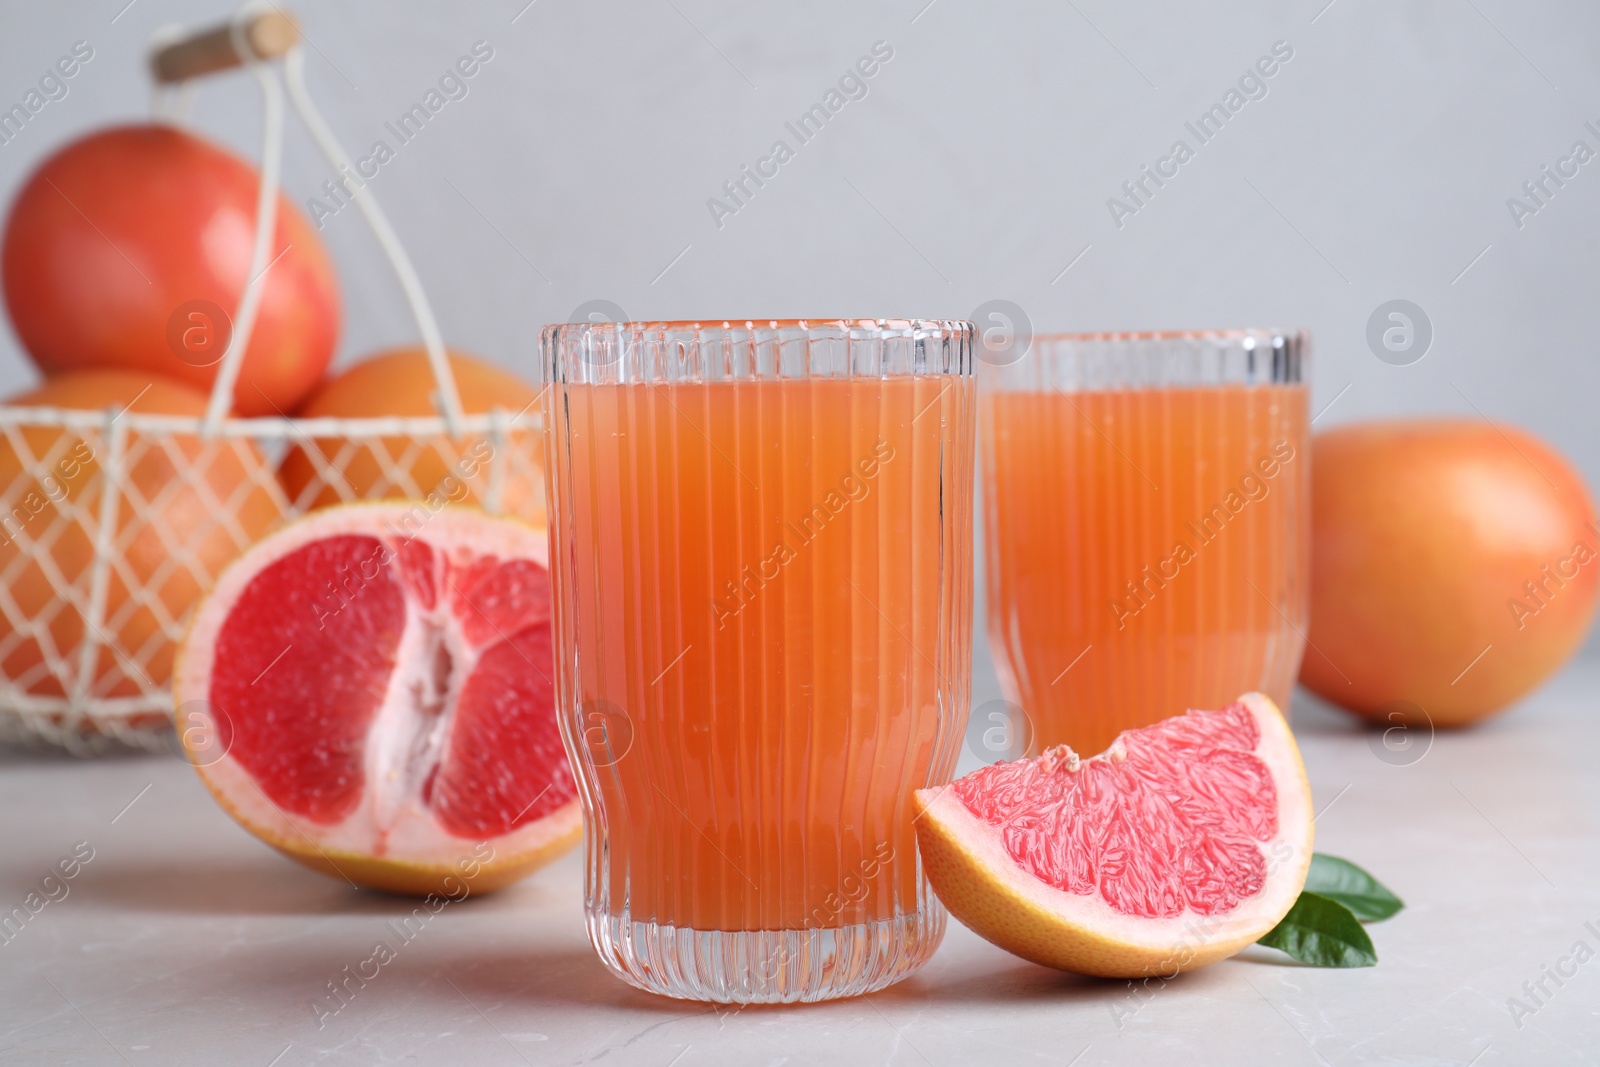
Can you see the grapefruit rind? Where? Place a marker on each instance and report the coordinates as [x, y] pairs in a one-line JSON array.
[[446, 876], [423, 857], [991, 894]]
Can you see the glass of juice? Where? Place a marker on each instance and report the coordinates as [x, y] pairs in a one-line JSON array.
[[761, 557], [1147, 526]]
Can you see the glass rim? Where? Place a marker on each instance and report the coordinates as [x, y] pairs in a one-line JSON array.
[[1222, 333], [1146, 359], [689, 350], [894, 327]]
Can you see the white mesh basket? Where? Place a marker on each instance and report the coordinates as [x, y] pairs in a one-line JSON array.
[[113, 524]]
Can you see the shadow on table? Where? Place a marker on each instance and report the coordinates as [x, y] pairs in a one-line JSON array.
[[543, 975], [223, 886], [1007, 980], [38, 752]]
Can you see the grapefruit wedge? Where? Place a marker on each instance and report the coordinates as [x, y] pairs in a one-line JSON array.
[[368, 690], [1179, 845]]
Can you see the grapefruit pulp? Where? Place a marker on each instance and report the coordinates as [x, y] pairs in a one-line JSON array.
[[1181, 844], [369, 691]]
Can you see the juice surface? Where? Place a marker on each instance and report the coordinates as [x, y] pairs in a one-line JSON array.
[[767, 579], [1147, 552]]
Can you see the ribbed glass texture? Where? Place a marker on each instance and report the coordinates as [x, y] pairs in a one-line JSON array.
[[762, 565], [1147, 526]]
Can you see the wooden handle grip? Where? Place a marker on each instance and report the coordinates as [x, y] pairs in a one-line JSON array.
[[269, 34]]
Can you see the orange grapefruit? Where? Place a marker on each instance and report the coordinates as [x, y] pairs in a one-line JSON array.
[[400, 382], [369, 691], [1455, 565], [1179, 845], [186, 508], [130, 248]]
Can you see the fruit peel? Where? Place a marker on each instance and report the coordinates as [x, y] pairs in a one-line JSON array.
[[983, 887]]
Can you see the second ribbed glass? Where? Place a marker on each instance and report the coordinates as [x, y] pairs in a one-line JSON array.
[[762, 571], [1147, 526]]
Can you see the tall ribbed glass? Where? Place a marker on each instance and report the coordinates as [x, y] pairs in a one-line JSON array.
[[762, 566], [1147, 526]]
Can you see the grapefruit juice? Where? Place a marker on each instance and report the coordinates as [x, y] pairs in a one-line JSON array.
[[763, 612], [1147, 550]]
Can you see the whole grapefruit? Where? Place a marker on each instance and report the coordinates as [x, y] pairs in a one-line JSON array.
[[400, 382], [130, 248], [185, 508], [1454, 567]]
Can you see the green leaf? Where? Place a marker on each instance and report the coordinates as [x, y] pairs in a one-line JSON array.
[[1353, 887], [1322, 932]]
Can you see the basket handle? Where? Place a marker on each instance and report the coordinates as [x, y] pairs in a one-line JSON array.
[[254, 35], [268, 35]]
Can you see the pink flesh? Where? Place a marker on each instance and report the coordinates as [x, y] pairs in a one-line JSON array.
[[1177, 824], [335, 611]]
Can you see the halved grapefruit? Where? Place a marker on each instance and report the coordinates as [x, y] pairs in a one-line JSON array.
[[369, 691], [1179, 845]]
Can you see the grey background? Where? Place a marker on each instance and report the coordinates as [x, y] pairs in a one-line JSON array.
[[978, 167]]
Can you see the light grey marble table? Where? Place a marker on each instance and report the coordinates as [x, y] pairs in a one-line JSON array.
[[185, 941]]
